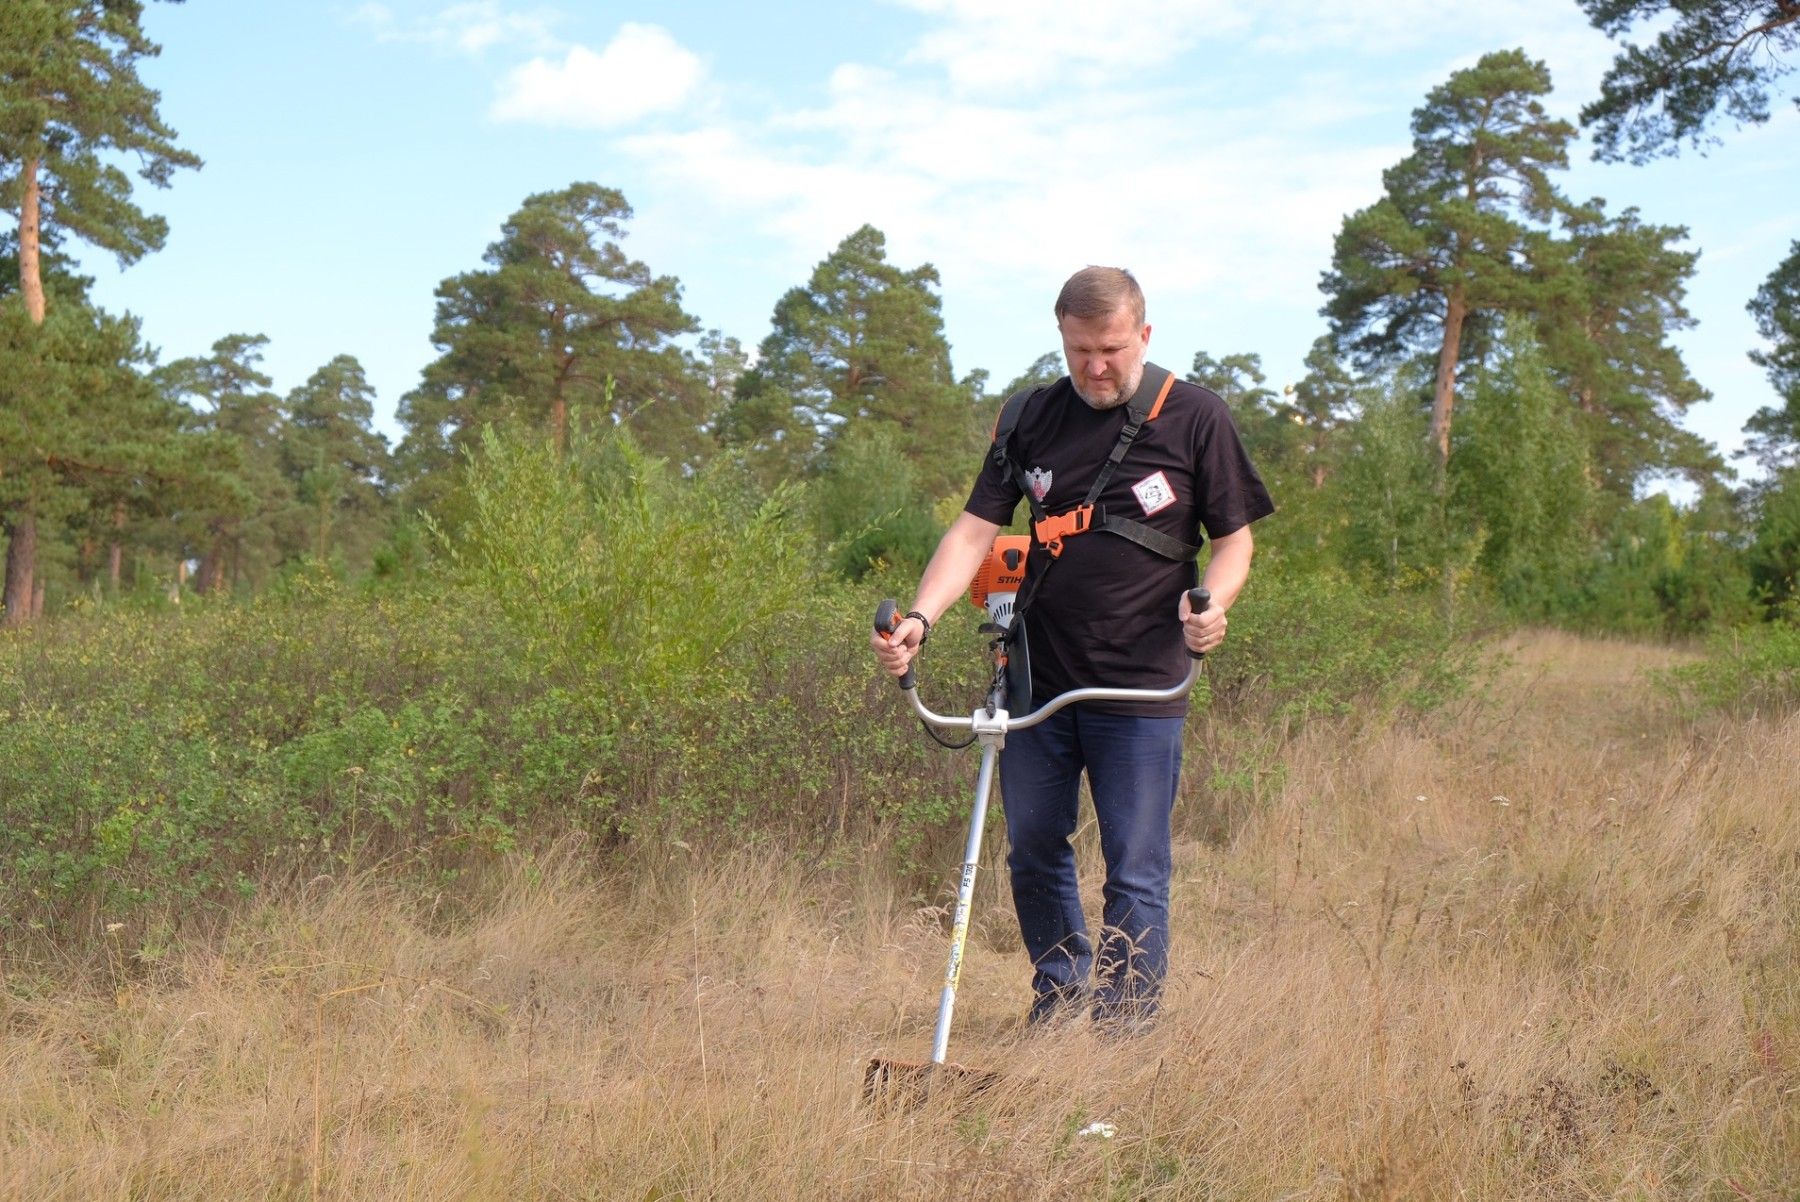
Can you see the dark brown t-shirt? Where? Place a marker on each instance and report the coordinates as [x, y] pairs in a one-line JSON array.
[[1107, 616]]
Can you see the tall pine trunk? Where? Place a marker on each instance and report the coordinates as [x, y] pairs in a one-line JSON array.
[[1443, 398], [21, 568], [115, 551], [1443, 401], [559, 424], [21, 599], [31, 276]]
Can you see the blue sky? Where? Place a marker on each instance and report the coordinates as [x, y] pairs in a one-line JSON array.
[[358, 153]]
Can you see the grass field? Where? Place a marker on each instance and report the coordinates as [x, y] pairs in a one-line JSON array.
[[1546, 945]]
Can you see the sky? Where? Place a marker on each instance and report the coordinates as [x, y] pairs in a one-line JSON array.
[[358, 153]]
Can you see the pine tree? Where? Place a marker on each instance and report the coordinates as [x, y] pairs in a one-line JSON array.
[[247, 515], [682, 423], [1266, 420], [84, 438], [1715, 53], [71, 100], [1611, 297], [1775, 431], [560, 320], [1323, 402], [1396, 533], [1461, 220], [862, 341], [336, 463], [1237, 379], [1521, 477]]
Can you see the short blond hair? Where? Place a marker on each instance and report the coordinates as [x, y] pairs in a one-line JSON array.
[[1095, 292]]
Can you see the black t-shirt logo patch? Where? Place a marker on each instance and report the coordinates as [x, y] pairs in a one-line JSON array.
[[1154, 493], [1038, 479]]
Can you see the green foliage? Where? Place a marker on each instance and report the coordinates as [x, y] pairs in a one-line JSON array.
[[1712, 54], [1773, 558], [616, 569], [1521, 478], [336, 463], [1747, 669], [1611, 296], [610, 647], [1397, 533], [71, 104], [561, 319], [1310, 643], [619, 651], [862, 341], [1775, 431], [1659, 570], [868, 507], [85, 439], [240, 519]]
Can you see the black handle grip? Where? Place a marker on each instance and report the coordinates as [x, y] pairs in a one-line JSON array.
[[1198, 600], [887, 616]]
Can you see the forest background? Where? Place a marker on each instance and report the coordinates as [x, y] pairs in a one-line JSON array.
[[1489, 427], [606, 572]]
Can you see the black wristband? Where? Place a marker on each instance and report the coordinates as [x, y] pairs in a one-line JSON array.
[[922, 620]]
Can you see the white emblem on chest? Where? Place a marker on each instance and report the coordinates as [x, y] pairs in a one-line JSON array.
[[1154, 493], [1038, 480]]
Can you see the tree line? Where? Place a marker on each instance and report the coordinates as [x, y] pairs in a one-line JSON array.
[[1489, 408]]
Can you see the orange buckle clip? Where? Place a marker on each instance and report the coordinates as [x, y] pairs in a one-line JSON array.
[[1052, 530]]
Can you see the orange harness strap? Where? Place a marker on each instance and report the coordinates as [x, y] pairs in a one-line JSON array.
[[1053, 529]]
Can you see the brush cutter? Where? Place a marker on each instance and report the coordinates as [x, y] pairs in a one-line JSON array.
[[995, 589]]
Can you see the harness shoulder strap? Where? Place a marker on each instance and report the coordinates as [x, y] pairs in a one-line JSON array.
[[1007, 421], [1143, 407]]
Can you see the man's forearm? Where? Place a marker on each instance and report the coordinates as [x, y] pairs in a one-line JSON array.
[[959, 555], [1228, 568]]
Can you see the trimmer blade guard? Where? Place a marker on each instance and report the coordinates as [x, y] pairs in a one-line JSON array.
[[909, 1083]]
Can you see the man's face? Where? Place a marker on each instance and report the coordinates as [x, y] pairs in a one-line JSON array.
[[1105, 356]]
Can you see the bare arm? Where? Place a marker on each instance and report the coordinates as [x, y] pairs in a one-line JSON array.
[[1226, 573], [959, 555]]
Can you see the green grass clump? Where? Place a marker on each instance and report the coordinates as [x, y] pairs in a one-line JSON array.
[[1752, 668]]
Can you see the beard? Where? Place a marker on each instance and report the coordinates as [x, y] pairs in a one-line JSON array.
[[1127, 389]]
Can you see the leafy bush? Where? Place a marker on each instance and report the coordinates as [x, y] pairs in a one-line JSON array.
[[616, 652], [605, 647], [1752, 668], [1311, 644]]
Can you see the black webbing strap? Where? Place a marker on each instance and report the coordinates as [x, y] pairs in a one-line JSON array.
[[1164, 545]]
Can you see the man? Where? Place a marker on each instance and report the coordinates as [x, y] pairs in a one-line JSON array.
[[1112, 613]]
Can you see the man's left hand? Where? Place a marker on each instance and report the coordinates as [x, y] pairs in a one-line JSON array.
[[1204, 631]]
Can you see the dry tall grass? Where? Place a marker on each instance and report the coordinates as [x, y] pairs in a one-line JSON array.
[[1545, 948]]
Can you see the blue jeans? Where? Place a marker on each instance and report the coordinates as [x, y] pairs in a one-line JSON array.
[[1132, 766]]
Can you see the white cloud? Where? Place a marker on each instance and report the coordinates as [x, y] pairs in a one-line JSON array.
[[1029, 45], [1213, 146], [643, 70], [1179, 193], [471, 27]]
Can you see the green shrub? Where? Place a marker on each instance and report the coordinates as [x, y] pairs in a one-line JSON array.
[[1311, 644], [605, 647], [657, 658], [1752, 668]]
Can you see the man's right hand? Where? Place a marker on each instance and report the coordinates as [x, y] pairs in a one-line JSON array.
[[896, 650], [959, 555]]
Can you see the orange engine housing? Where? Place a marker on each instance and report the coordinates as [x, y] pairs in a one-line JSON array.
[[1004, 570]]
